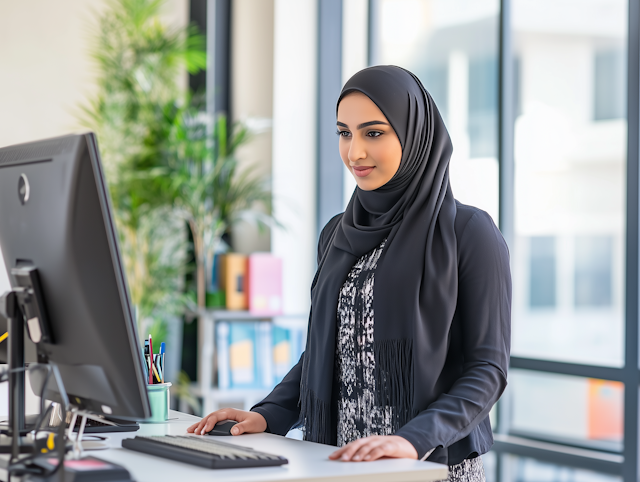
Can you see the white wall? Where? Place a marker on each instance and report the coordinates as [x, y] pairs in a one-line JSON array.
[[46, 72], [294, 147]]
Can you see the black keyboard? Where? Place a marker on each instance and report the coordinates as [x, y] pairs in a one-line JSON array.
[[202, 451]]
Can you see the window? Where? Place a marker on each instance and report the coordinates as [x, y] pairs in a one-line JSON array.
[[542, 269], [593, 271], [569, 183], [609, 98], [582, 411], [483, 99]]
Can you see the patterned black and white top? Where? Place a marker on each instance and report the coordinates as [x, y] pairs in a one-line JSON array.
[[359, 414]]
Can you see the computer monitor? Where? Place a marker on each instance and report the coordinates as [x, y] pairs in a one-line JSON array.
[[55, 216]]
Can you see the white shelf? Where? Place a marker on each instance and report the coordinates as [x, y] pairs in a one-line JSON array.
[[248, 396], [231, 315]]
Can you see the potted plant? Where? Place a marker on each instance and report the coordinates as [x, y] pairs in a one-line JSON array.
[[139, 60], [209, 190]]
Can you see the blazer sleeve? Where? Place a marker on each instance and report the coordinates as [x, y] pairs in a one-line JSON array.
[[484, 314], [281, 408]]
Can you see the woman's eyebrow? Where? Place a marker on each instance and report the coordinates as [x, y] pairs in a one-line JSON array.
[[363, 125], [371, 123]]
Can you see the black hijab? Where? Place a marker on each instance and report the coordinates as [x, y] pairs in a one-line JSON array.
[[416, 282]]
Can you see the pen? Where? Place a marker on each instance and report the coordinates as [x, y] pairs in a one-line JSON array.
[[151, 360], [162, 350], [147, 367], [160, 368]]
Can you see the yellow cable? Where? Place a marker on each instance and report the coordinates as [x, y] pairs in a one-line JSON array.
[[4, 337]]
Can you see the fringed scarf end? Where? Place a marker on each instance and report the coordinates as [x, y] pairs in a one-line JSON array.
[[394, 376], [314, 418]]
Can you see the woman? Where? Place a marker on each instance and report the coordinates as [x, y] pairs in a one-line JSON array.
[[409, 332]]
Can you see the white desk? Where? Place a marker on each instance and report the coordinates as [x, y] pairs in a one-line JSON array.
[[308, 461]]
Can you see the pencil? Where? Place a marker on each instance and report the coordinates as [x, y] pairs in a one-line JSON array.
[[160, 368], [156, 372], [151, 360]]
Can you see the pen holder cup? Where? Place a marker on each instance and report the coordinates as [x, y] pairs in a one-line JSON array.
[[159, 401]]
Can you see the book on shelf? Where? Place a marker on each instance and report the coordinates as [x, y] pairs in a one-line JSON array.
[[233, 280], [241, 282], [222, 346], [264, 284], [255, 355]]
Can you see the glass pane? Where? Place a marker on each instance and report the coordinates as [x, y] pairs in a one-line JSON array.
[[451, 45], [568, 409], [570, 147], [521, 469], [489, 461]]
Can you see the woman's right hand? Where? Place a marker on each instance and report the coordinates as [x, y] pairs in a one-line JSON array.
[[248, 422]]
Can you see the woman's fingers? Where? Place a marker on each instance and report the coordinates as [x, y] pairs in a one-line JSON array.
[[336, 455], [216, 417], [346, 453], [376, 453], [192, 427], [374, 447], [366, 449], [207, 423], [243, 427], [351, 448], [250, 422], [202, 426]]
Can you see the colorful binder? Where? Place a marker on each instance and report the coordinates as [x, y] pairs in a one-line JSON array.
[[242, 355], [264, 287], [222, 345], [233, 276], [256, 354], [282, 355]]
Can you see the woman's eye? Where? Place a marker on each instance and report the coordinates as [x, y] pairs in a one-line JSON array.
[[374, 133], [343, 133]]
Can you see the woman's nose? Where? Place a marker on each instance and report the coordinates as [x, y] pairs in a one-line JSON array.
[[357, 150]]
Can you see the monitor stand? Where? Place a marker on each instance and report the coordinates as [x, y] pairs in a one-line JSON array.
[[96, 424], [9, 308], [16, 306]]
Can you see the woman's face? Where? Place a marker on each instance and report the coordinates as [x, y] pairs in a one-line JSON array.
[[369, 146]]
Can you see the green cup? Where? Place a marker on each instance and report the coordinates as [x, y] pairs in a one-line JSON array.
[[159, 400]]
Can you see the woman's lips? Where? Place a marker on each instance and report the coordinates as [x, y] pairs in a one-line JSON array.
[[362, 171]]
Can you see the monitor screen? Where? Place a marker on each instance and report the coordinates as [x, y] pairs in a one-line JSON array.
[[55, 216]]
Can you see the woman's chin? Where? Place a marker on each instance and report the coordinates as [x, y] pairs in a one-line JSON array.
[[369, 184]]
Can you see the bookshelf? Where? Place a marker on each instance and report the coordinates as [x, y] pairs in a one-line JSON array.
[[213, 397]]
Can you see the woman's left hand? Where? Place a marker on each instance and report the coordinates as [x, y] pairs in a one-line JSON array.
[[372, 448]]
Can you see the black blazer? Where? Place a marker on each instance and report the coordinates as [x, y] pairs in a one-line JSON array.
[[475, 372]]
